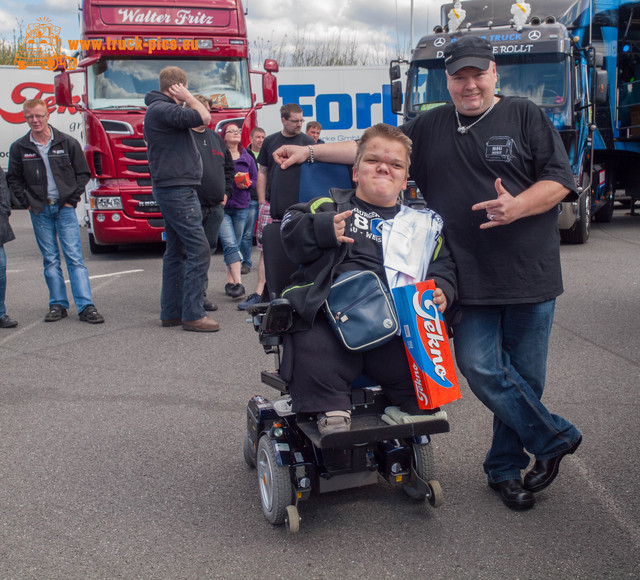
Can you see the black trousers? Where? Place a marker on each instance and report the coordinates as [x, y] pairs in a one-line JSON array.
[[322, 370]]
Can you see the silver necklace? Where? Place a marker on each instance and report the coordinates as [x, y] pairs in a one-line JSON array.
[[462, 129]]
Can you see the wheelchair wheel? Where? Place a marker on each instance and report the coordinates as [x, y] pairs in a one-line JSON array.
[[274, 482], [425, 464], [425, 470], [248, 453], [436, 499], [292, 520]]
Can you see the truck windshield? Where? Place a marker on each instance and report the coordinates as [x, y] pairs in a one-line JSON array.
[[541, 78], [123, 83]]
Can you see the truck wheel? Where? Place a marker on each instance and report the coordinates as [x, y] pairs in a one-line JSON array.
[[605, 214], [579, 232], [99, 248], [274, 482]]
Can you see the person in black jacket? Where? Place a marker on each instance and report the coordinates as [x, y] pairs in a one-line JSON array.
[[337, 234], [48, 174], [176, 171], [217, 182], [6, 235]]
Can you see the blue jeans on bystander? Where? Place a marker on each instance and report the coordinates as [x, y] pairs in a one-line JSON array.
[[231, 233], [246, 245], [502, 352], [186, 259], [55, 224], [211, 222]]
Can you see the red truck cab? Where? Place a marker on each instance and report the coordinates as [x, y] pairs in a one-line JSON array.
[[124, 48]]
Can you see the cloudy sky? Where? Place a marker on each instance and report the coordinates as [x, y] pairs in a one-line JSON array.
[[378, 26]]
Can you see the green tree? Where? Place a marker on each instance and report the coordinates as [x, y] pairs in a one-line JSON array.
[[9, 48]]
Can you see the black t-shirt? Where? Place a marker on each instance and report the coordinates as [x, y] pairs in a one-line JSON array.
[[364, 226], [215, 155], [265, 159], [514, 264]]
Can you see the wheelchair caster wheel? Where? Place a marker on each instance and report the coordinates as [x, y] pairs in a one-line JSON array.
[[292, 520], [436, 498]]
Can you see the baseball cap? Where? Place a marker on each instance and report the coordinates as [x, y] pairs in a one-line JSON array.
[[468, 51]]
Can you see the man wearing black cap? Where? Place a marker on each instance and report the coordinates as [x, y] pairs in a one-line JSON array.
[[495, 169]]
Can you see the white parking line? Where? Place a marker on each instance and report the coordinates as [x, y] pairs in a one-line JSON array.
[[110, 275]]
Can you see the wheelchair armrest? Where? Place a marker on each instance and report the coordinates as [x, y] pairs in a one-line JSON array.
[[278, 318]]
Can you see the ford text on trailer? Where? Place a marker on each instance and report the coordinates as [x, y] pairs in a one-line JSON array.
[[124, 47], [561, 54]]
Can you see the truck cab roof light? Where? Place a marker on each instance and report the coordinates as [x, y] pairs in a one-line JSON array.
[[205, 43], [236, 41]]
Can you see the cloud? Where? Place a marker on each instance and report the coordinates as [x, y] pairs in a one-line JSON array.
[[8, 23], [381, 29]]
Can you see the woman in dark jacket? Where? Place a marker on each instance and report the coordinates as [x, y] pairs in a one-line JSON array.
[[6, 235]]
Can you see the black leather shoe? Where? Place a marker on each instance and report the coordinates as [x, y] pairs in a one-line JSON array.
[[8, 322], [544, 471], [513, 494]]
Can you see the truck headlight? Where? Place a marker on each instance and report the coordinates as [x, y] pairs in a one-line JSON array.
[[108, 202]]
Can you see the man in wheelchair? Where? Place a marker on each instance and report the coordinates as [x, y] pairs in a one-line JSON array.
[[332, 235]]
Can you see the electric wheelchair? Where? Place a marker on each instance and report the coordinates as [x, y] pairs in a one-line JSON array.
[[290, 456]]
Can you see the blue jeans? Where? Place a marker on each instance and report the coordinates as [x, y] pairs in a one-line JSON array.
[[502, 352], [246, 245], [231, 231], [3, 280], [211, 222], [55, 224], [186, 259]]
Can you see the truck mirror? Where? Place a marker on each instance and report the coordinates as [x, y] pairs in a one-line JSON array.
[[269, 88], [271, 65], [62, 90], [394, 72], [601, 89], [396, 97]]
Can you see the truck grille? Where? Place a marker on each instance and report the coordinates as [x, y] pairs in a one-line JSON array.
[[146, 204], [156, 222], [134, 143], [97, 163]]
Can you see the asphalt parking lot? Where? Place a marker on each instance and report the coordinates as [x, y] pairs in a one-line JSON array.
[[121, 444]]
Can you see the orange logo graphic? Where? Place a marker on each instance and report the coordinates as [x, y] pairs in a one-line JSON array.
[[41, 47]]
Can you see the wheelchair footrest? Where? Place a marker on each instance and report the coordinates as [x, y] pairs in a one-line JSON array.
[[369, 429]]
